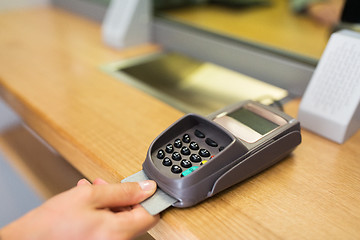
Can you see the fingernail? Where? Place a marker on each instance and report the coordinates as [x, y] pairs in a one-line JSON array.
[[82, 182], [147, 185]]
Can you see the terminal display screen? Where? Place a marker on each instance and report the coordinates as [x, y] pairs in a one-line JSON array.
[[252, 120]]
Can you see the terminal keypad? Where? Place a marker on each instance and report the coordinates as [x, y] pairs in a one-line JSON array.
[[188, 152]]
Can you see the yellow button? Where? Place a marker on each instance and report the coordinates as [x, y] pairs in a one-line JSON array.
[[203, 162]]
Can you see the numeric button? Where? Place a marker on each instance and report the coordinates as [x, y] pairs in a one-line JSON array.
[[167, 162], [176, 156], [204, 153], [185, 151], [186, 138], [169, 148], [160, 154], [176, 169], [178, 143], [195, 158], [186, 163], [194, 146]]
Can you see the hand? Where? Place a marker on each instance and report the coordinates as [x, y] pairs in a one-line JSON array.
[[98, 211], [328, 13]]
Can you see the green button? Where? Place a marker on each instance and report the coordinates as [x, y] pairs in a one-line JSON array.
[[188, 171]]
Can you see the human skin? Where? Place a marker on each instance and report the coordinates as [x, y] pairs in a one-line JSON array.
[[328, 12], [88, 211]]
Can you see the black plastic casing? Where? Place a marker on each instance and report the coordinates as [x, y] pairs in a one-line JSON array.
[[237, 162]]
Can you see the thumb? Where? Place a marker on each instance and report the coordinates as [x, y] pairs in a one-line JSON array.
[[122, 194]]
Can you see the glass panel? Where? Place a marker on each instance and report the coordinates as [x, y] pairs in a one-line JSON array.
[[277, 24]]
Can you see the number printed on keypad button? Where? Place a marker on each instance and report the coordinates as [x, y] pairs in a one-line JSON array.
[[176, 156], [185, 151], [204, 153], [160, 154], [186, 163], [176, 169], [169, 148], [194, 146], [178, 143], [195, 158], [167, 162], [186, 138]]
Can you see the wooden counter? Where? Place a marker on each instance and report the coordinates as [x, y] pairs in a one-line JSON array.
[[49, 74]]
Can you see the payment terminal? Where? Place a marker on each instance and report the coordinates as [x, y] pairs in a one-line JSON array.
[[197, 157]]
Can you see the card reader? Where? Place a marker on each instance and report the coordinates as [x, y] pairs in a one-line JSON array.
[[197, 157]]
